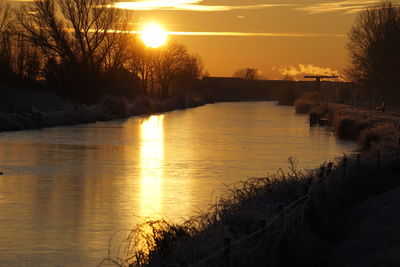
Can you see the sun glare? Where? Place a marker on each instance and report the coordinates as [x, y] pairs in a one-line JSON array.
[[153, 35]]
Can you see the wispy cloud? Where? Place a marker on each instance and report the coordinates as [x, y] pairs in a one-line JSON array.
[[306, 69], [258, 34], [347, 7], [190, 5]]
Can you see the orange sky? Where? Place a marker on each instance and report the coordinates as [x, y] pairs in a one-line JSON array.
[[314, 32], [275, 36]]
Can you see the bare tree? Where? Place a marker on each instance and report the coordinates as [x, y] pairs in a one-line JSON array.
[[84, 32], [374, 48], [5, 40], [248, 74], [4, 16], [191, 71], [194, 67], [85, 37], [168, 61], [118, 44], [141, 64]]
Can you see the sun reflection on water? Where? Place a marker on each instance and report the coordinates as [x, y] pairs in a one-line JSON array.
[[151, 166]]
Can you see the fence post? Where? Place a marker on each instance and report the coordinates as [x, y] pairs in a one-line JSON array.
[[263, 224], [321, 174], [281, 217], [344, 167], [227, 251], [378, 159], [329, 169]]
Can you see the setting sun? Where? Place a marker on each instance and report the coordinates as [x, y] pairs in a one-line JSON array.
[[153, 35]]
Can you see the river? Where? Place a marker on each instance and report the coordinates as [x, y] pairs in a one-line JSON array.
[[66, 190]]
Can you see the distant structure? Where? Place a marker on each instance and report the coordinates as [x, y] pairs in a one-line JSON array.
[[318, 83], [319, 77]]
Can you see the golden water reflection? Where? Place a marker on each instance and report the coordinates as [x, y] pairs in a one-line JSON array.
[[151, 165]]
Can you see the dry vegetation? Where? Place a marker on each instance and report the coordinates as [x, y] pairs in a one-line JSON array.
[[307, 101], [286, 219], [370, 129]]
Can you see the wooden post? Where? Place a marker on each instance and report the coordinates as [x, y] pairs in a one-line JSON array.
[[227, 251], [330, 165], [321, 174], [313, 118], [281, 217], [398, 151], [378, 159], [263, 224]]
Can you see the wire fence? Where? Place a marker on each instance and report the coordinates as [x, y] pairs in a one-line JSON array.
[[342, 169]]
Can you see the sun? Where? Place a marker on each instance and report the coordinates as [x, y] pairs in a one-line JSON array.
[[153, 35]]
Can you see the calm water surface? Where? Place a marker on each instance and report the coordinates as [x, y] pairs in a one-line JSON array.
[[66, 190]]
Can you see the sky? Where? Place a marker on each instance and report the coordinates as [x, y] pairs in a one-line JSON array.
[[278, 37]]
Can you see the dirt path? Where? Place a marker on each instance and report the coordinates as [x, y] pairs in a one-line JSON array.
[[371, 234]]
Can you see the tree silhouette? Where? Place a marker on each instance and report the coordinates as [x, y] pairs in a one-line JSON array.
[[374, 47], [140, 63], [6, 69], [84, 37], [248, 74], [168, 61]]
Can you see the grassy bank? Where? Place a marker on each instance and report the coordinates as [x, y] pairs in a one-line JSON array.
[[286, 219], [20, 110], [370, 129]]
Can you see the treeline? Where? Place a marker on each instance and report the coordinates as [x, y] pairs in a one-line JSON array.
[[85, 49]]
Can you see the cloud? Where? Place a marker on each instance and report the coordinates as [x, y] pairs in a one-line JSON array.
[[189, 5], [306, 69], [258, 34], [347, 7], [249, 34]]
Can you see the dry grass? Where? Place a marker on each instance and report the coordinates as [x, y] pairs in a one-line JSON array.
[[280, 220], [381, 136], [307, 101]]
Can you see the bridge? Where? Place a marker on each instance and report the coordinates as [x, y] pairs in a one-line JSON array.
[[319, 77]]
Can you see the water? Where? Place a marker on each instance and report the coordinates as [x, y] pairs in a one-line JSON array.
[[66, 190]]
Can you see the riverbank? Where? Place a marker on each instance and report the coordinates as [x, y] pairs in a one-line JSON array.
[[22, 110], [371, 129], [294, 218]]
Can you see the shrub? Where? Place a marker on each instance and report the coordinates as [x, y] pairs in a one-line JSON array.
[[349, 126], [379, 137], [302, 105]]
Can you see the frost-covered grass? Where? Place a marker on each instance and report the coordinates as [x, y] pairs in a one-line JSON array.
[[45, 109], [284, 219]]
